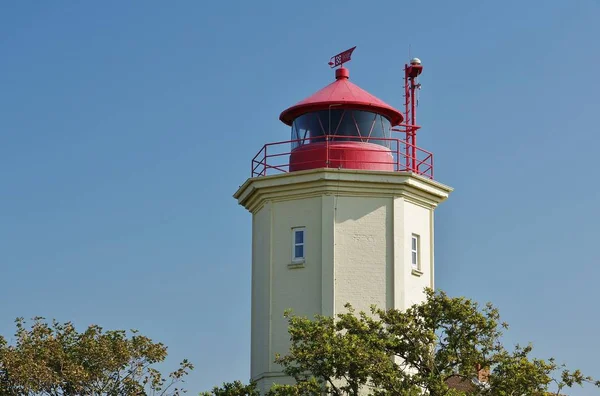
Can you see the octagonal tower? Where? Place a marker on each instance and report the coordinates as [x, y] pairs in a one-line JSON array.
[[343, 212]]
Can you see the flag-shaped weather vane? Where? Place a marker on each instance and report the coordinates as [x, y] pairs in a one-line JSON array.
[[341, 58]]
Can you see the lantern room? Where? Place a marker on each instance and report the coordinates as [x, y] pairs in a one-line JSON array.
[[342, 126]]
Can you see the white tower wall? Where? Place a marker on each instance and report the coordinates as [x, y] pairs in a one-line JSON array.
[[358, 231]]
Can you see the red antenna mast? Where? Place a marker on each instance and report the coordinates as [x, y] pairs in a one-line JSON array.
[[341, 58], [411, 72]]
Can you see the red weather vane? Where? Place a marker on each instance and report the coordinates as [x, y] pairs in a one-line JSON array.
[[341, 58]]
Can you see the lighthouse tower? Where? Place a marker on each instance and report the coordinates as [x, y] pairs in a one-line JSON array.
[[341, 213]]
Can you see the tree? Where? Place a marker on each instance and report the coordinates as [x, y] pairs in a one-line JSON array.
[[236, 388], [54, 359], [430, 348]]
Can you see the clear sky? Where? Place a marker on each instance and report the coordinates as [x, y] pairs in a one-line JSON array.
[[125, 128]]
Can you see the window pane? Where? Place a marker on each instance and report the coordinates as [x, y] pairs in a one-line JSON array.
[[365, 122], [414, 258], [345, 126], [331, 119], [299, 251], [414, 243], [309, 127], [299, 237]]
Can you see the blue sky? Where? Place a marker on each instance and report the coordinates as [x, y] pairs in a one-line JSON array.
[[125, 127]]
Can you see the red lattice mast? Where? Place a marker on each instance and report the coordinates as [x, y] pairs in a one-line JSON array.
[[411, 72]]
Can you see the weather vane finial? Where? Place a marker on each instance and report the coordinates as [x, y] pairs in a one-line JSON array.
[[341, 58]]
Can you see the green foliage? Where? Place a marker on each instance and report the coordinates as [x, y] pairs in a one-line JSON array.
[[307, 388], [414, 352], [405, 352], [310, 387], [55, 359], [235, 388]]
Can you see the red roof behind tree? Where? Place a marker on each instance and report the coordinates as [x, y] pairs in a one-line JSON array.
[[345, 94]]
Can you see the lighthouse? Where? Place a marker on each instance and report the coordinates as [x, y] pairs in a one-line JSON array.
[[342, 212]]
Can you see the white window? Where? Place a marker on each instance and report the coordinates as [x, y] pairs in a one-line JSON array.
[[414, 252], [298, 253]]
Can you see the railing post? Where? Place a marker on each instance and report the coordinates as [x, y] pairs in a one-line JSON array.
[[265, 163], [417, 163], [407, 153], [414, 151], [327, 151], [431, 159], [397, 155]]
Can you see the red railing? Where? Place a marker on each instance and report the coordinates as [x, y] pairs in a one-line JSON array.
[[274, 158]]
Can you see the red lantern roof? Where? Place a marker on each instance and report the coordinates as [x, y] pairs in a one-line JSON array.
[[345, 94]]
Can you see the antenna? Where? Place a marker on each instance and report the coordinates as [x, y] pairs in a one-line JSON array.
[[341, 58], [412, 71]]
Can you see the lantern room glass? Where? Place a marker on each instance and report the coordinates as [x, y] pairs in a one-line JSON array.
[[342, 125]]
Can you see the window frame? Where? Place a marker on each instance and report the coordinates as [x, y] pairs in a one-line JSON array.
[[296, 259], [339, 124], [415, 251]]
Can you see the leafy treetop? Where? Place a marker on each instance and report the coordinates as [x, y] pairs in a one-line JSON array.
[[422, 350], [55, 359]]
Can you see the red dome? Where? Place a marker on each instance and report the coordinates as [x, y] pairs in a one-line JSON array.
[[341, 92]]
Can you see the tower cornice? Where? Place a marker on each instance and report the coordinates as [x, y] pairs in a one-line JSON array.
[[316, 182]]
